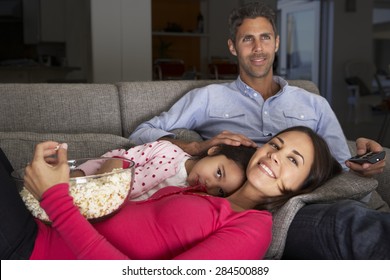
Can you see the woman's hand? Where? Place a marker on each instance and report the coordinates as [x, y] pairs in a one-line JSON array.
[[364, 145], [44, 171]]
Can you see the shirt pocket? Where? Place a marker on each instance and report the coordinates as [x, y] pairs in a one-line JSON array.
[[223, 113], [301, 117]]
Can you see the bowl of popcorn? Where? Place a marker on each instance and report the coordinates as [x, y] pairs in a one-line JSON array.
[[99, 187]]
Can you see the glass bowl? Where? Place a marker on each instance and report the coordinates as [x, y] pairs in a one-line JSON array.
[[98, 195]]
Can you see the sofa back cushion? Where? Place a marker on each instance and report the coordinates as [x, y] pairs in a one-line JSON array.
[[141, 101], [19, 146], [307, 85], [60, 108]]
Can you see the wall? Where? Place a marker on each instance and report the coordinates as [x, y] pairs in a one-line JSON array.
[[382, 57], [121, 40], [78, 39], [382, 38], [168, 15], [218, 27], [352, 40], [111, 40], [119, 34]]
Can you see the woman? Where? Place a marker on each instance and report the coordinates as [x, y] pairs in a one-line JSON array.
[[176, 223]]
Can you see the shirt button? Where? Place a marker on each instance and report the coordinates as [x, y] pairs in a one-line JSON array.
[[226, 115], [302, 116], [255, 94], [265, 113]]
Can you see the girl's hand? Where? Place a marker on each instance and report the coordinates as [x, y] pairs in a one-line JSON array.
[[43, 172]]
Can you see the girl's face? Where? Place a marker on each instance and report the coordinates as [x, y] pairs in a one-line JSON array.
[[220, 175], [282, 164]]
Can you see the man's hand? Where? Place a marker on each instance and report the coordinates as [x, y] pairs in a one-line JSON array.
[[364, 145], [225, 137]]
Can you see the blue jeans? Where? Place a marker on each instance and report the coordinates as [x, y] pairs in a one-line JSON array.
[[18, 229], [343, 230]]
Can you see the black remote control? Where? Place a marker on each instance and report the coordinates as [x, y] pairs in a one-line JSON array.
[[370, 157]]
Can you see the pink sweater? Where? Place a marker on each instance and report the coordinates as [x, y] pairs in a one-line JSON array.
[[173, 224]]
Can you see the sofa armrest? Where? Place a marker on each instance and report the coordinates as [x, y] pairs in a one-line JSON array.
[[383, 179], [344, 186]]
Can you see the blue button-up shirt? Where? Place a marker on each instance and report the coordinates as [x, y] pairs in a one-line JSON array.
[[239, 108]]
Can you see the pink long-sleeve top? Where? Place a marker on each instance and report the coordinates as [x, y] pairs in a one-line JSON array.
[[173, 224], [155, 163]]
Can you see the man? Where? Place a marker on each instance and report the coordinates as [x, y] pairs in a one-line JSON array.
[[250, 110], [255, 106]]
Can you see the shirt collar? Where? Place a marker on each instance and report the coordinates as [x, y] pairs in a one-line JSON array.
[[250, 92]]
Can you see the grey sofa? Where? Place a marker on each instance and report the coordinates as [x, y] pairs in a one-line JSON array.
[[94, 118]]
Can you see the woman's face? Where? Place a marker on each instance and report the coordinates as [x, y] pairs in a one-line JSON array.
[[281, 164], [220, 175]]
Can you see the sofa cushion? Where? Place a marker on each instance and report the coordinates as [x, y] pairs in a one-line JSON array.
[[186, 135], [345, 186], [60, 108], [18, 146], [154, 98], [151, 99], [305, 84]]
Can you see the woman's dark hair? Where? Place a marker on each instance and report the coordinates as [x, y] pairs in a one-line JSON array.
[[324, 167], [252, 11]]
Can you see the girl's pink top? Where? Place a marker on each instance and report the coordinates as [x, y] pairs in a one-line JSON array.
[[173, 224], [154, 163]]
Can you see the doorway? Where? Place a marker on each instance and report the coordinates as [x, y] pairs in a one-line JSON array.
[[299, 55]]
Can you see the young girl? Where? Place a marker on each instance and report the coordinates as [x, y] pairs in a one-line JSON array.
[[175, 223], [159, 164]]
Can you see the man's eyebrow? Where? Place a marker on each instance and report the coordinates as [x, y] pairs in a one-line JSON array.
[[294, 151]]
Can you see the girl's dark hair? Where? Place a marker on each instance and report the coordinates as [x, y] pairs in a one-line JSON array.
[[324, 167], [252, 11], [241, 155]]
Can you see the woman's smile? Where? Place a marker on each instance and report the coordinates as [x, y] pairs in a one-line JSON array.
[[263, 167]]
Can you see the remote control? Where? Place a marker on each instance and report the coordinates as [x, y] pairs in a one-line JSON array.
[[369, 157]]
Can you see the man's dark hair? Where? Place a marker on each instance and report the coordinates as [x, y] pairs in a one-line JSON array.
[[251, 10]]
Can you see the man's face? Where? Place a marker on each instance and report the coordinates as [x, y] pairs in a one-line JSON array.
[[255, 48]]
